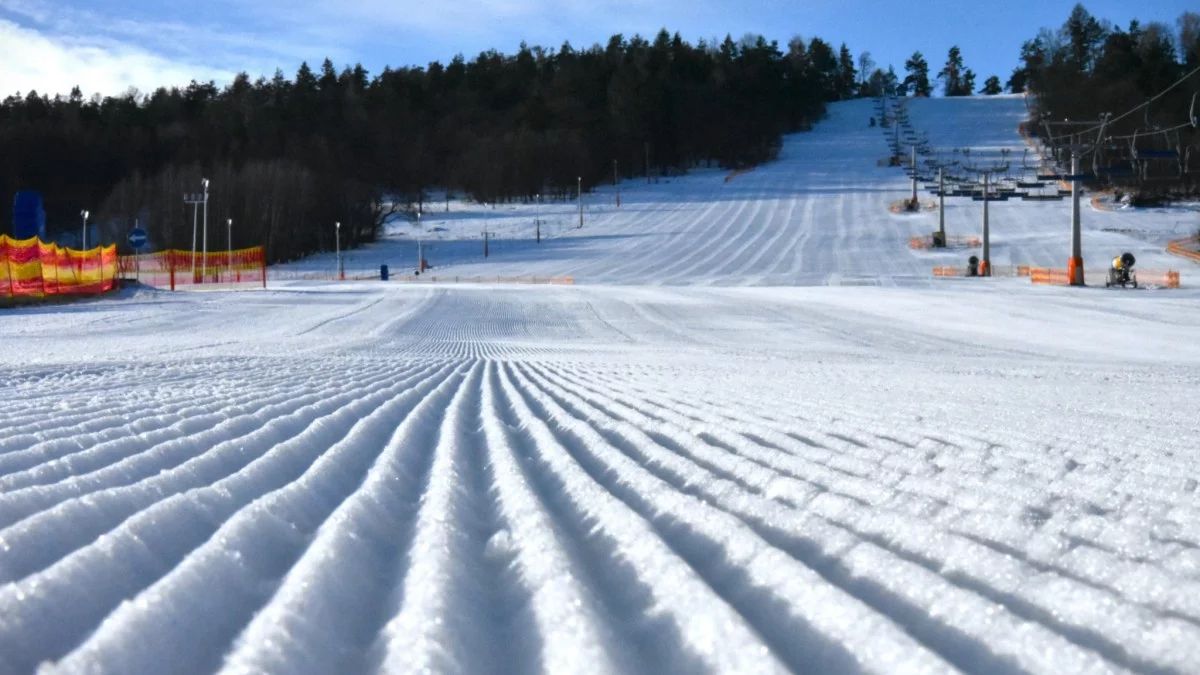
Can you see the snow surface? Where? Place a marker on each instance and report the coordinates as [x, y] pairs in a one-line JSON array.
[[641, 473]]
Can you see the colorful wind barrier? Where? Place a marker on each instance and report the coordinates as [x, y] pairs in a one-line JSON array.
[[175, 269], [31, 268]]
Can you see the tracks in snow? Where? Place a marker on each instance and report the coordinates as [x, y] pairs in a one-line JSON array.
[[459, 508]]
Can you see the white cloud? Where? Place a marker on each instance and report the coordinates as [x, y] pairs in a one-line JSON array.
[[30, 60]]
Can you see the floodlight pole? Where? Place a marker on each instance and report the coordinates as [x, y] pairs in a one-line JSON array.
[[83, 238], [579, 194], [205, 257], [337, 242]]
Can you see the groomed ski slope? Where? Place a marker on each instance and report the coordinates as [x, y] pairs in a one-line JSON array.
[[818, 216], [974, 476]]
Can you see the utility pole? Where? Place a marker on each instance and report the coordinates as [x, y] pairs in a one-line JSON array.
[[579, 194]]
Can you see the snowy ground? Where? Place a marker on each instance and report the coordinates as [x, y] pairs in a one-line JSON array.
[[640, 473], [817, 216]]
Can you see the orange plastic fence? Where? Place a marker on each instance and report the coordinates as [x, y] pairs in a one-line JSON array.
[[428, 279], [1051, 276], [174, 268], [31, 268], [1186, 248], [952, 241], [997, 271]]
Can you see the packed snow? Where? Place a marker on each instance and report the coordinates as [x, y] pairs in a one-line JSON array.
[[755, 436]]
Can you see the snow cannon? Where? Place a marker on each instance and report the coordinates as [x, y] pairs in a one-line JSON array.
[[1121, 273], [973, 266]]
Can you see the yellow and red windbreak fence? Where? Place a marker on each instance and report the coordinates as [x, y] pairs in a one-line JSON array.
[[174, 268], [31, 268]]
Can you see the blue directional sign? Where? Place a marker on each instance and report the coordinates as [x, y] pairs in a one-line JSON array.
[[138, 238]]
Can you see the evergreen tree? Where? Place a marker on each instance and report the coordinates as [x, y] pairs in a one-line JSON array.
[[991, 86], [956, 80], [287, 158], [847, 75], [917, 79]]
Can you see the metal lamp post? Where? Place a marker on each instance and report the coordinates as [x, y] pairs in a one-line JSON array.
[[229, 253], [83, 238], [205, 255], [337, 242]]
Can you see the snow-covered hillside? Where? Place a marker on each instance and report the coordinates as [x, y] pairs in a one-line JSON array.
[[641, 473], [817, 216]]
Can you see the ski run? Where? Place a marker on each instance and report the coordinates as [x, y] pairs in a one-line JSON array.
[[705, 456]]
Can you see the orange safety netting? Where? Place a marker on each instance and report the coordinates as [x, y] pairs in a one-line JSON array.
[[31, 268], [174, 268]]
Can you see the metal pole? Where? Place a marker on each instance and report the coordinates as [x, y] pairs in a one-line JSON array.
[[337, 242], [205, 257], [579, 194], [195, 225], [647, 162], [987, 243], [229, 253], [914, 176], [942, 205], [485, 231], [1075, 264], [83, 238], [537, 217], [137, 258]]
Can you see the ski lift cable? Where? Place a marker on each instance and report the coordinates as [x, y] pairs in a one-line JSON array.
[[1147, 133], [1191, 122]]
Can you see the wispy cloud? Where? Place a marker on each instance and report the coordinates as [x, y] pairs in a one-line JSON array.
[[30, 60], [53, 45]]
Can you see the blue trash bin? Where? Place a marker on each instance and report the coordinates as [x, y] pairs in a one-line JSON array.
[[383, 273]]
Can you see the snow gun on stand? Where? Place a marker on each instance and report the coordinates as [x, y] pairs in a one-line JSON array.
[[1122, 273]]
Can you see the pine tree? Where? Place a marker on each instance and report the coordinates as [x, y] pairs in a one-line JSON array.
[[956, 80], [917, 79], [991, 86], [847, 75]]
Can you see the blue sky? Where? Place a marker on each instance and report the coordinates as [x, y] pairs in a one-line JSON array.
[[107, 47]]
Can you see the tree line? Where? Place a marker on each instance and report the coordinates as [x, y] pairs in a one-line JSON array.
[[289, 157], [1089, 67]]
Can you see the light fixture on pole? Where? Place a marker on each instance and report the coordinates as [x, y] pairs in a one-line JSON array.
[[338, 244], [229, 254], [205, 255], [195, 200], [83, 238]]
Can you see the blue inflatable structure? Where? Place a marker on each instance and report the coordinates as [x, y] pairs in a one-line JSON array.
[[29, 216]]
